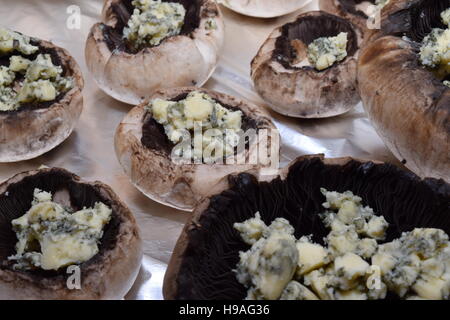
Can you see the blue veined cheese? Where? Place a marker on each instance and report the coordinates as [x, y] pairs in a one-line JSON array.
[[8, 99], [268, 266], [219, 126], [296, 291], [447, 83], [349, 269], [325, 51], [40, 90], [416, 263], [6, 76], [251, 230], [153, 21], [63, 238], [435, 49], [42, 68], [18, 63], [311, 256], [43, 81], [320, 283], [13, 41]]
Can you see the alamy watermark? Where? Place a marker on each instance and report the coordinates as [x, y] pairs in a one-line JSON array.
[[73, 21]]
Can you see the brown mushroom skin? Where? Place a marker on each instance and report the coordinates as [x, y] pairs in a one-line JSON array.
[[152, 171], [110, 277], [408, 106], [181, 60], [305, 92], [28, 133]]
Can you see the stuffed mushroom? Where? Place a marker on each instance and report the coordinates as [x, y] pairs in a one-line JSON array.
[[64, 238], [264, 8], [315, 232], [40, 96], [307, 68], [178, 146], [403, 79], [144, 45]]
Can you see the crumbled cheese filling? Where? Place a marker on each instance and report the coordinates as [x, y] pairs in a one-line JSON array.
[[416, 265], [435, 49], [25, 81], [50, 236], [324, 52], [218, 127], [152, 21]]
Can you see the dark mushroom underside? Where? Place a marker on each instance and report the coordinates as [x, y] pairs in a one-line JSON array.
[[4, 61], [212, 251], [307, 29], [123, 11], [417, 20], [18, 202], [154, 137]]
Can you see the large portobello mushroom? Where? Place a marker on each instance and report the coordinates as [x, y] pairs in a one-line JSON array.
[[291, 84], [145, 152], [43, 118], [207, 252], [264, 8], [129, 72], [109, 274], [408, 103]]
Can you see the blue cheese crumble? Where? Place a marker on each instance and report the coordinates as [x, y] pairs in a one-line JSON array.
[[50, 236], [326, 51], [435, 49], [42, 81], [414, 266], [13, 41], [218, 126], [152, 21]]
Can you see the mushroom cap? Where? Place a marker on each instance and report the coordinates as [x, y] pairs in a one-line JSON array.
[[150, 167], [108, 275], [408, 106], [264, 8], [207, 250], [32, 131], [305, 92], [182, 60]]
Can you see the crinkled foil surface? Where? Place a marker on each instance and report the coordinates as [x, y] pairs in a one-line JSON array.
[[89, 151]]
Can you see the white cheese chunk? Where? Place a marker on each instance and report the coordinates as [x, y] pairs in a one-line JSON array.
[[296, 291], [64, 238], [324, 52]]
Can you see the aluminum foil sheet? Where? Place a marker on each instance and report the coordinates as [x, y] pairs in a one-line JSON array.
[[89, 151]]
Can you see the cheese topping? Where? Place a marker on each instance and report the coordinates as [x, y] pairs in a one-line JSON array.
[[26, 81], [324, 52], [152, 21], [416, 265], [13, 41], [435, 49], [219, 127], [50, 236]]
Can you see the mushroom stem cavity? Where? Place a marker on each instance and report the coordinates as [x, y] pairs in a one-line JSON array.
[[152, 21], [51, 236]]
